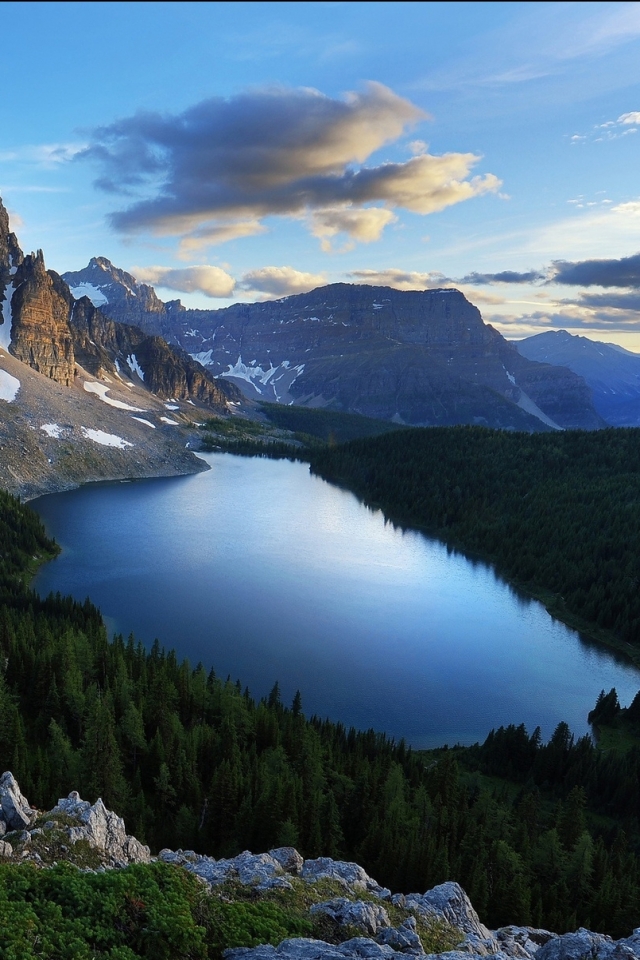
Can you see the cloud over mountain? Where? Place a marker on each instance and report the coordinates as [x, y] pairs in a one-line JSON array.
[[218, 169], [212, 281]]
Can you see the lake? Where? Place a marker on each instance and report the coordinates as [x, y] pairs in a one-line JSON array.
[[267, 573]]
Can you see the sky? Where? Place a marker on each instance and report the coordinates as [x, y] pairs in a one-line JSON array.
[[245, 151]]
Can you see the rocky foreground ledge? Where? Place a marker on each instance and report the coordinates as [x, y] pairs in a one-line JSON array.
[[366, 921]]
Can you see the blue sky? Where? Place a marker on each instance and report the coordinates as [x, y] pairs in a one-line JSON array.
[[229, 151]]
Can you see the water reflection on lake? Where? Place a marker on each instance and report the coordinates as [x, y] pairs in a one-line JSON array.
[[265, 572]]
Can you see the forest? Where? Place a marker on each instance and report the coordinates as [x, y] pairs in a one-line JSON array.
[[558, 514], [537, 833]]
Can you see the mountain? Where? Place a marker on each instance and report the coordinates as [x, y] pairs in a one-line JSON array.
[[612, 373], [128, 301], [83, 397], [417, 357]]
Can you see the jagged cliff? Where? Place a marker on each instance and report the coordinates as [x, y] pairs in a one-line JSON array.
[[46, 328], [40, 332], [104, 346], [350, 916]]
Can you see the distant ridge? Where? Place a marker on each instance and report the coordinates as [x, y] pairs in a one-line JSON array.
[[612, 373], [415, 357]]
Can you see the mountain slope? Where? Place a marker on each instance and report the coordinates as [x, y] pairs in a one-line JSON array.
[[613, 374], [84, 398], [417, 357]]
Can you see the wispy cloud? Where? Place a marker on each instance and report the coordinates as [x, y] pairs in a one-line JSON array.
[[217, 170]]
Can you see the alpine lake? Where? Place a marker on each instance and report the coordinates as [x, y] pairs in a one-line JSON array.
[[265, 572]]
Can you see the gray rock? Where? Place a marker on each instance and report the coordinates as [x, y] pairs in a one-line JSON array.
[[402, 939], [368, 917], [260, 870], [633, 942], [582, 945], [16, 812], [450, 902], [3, 828], [288, 858], [6, 850], [102, 829], [460, 955], [522, 941], [302, 948], [351, 875]]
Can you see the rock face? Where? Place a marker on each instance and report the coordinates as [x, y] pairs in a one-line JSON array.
[[40, 333], [102, 829], [418, 357], [104, 346], [16, 812]]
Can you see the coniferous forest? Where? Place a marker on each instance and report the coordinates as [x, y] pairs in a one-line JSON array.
[[557, 513], [543, 834]]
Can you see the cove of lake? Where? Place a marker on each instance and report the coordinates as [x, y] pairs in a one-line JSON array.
[[267, 573]]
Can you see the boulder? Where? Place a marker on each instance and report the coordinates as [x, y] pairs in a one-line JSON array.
[[402, 939], [350, 875], [522, 941], [366, 916], [288, 858], [16, 812], [6, 850], [102, 829], [450, 902], [586, 945], [260, 870]]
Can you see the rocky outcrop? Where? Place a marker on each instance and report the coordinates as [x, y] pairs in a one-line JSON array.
[[102, 829], [15, 812], [444, 912], [40, 333]]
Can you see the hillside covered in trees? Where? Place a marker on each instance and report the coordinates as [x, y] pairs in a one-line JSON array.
[[557, 513]]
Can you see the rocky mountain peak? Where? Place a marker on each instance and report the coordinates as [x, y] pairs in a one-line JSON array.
[[40, 332], [118, 293]]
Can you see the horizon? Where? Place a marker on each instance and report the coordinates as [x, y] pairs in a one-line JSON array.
[[275, 148]]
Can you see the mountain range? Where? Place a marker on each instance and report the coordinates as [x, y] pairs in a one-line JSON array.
[[418, 358], [612, 373]]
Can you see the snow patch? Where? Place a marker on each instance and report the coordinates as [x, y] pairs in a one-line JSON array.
[[378, 306], [5, 329], [173, 423], [132, 360], [101, 390], [96, 295], [172, 406], [9, 386], [203, 358], [53, 430], [105, 439], [142, 420]]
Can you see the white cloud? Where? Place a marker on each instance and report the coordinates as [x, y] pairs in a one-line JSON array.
[[281, 281], [211, 281], [217, 170], [364, 224]]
